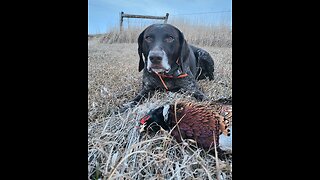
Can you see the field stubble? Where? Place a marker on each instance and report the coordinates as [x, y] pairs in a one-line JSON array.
[[115, 150]]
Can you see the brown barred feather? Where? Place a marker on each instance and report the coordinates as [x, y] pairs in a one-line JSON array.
[[200, 122]]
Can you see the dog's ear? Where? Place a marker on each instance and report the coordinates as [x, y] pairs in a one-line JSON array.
[[184, 51], [140, 41]]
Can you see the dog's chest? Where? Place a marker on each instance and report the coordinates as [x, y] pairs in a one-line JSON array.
[[170, 84]]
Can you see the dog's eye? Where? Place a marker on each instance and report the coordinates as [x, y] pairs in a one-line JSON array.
[[169, 39], [148, 39]]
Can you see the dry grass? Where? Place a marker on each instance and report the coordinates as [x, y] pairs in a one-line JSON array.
[[200, 34], [115, 148]]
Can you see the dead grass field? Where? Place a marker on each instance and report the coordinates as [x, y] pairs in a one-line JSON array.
[[115, 149], [200, 34]]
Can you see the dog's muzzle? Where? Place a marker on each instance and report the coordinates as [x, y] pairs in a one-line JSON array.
[[158, 61]]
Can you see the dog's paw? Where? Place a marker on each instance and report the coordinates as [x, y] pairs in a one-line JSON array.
[[202, 97], [226, 101]]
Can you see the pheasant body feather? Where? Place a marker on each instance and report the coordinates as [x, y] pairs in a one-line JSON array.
[[201, 122]]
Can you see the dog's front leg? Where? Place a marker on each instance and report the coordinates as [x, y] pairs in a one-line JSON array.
[[142, 94], [195, 91], [199, 95]]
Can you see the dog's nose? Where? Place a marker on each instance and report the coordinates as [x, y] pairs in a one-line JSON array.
[[155, 56]]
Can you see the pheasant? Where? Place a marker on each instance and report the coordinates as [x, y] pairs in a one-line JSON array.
[[201, 122]]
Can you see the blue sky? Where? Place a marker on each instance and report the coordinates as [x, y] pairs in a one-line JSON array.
[[104, 14]]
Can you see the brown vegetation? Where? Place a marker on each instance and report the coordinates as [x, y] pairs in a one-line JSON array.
[[203, 35], [115, 149]]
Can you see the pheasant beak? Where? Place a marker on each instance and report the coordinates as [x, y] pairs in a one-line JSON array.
[[143, 123], [142, 126]]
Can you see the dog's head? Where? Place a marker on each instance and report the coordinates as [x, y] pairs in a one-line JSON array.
[[163, 47]]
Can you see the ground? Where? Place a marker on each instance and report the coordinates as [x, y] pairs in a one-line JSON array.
[[115, 148]]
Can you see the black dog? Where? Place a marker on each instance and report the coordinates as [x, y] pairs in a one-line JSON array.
[[205, 64], [170, 63]]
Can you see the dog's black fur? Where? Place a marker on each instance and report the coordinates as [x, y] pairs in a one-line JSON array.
[[205, 63], [162, 49]]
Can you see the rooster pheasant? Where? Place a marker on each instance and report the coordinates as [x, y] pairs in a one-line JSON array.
[[201, 122]]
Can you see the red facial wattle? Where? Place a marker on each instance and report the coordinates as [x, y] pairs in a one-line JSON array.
[[144, 119]]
